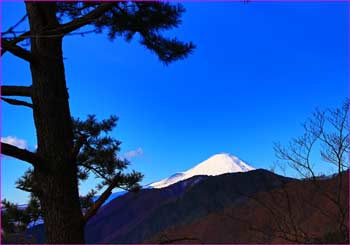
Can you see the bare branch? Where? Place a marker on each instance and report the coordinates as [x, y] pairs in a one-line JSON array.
[[21, 154], [15, 50], [16, 91], [17, 102], [330, 128]]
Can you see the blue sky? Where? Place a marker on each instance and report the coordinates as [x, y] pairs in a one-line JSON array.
[[258, 72]]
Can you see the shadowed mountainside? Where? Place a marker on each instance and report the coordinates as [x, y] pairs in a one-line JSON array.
[[297, 213], [253, 207], [134, 218]]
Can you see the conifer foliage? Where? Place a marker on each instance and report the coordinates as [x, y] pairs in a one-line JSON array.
[[70, 150]]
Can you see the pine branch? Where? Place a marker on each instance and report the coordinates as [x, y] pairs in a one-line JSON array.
[[91, 168], [16, 91], [25, 189], [21, 154], [82, 21], [15, 50], [17, 102], [96, 206], [15, 41], [11, 29], [78, 144]]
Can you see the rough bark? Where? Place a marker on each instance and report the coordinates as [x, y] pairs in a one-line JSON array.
[[57, 174]]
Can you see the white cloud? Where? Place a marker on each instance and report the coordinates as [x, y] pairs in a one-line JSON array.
[[133, 153], [13, 140]]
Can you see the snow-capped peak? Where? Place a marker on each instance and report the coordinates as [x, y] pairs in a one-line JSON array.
[[215, 165]]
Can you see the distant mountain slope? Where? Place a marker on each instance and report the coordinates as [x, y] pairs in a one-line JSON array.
[[267, 218], [134, 218], [216, 165], [125, 212], [128, 211], [111, 197]]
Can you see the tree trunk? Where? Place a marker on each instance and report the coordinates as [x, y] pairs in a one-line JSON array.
[[57, 174]]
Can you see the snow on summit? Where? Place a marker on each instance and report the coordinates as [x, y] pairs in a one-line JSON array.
[[218, 164]]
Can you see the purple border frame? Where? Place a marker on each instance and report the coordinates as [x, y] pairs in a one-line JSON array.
[[256, 1]]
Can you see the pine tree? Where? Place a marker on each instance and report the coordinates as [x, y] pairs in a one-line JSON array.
[[15, 219], [68, 150]]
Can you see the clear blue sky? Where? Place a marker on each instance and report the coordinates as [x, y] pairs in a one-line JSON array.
[[258, 71]]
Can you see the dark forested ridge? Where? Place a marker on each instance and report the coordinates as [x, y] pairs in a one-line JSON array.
[[137, 217], [255, 207], [296, 213]]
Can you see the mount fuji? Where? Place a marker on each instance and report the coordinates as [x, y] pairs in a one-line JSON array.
[[215, 165]]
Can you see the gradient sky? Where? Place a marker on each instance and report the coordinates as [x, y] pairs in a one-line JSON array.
[[258, 72]]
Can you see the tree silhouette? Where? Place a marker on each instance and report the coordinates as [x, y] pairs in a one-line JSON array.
[[291, 212], [328, 133], [15, 220], [70, 149]]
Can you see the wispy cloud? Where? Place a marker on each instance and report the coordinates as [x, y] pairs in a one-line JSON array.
[[13, 140], [133, 153]]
